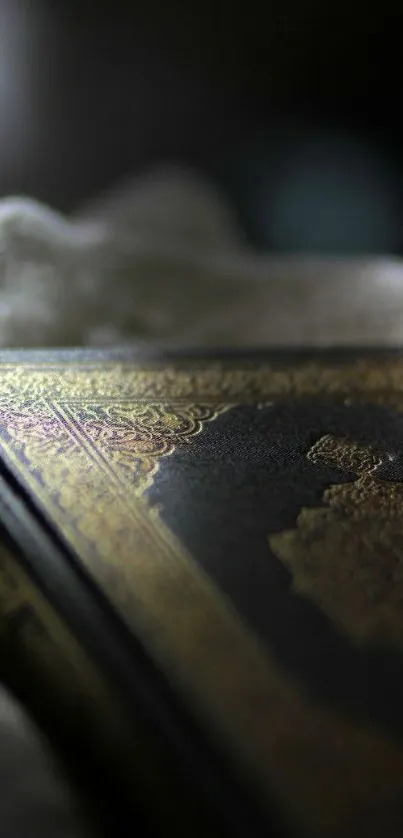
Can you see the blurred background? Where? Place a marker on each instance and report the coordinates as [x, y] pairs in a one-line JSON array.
[[293, 108]]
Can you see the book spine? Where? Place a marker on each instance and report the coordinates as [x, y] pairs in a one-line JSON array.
[[116, 761]]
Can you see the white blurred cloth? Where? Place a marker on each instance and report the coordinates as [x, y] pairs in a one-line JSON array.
[[162, 261]]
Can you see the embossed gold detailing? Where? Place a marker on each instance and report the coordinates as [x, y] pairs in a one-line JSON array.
[[380, 381], [132, 436], [348, 554], [345, 454], [334, 776]]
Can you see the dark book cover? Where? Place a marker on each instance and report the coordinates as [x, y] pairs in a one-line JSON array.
[[201, 583]]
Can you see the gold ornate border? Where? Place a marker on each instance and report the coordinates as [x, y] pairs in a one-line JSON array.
[[335, 777]]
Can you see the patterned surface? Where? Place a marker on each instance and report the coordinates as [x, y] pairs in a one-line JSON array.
[[347, 554], [90, 440]]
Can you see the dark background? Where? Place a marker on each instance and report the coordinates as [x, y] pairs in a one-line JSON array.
[[294, 107]]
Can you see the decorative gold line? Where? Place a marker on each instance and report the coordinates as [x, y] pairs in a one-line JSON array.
[[212, 380]]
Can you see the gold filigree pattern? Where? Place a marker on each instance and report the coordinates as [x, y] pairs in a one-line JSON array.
[[134, 437], [347, 555], [380, 381], [131, 437], [346, 455]]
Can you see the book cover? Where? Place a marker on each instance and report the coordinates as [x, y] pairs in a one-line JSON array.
[[202, 571]]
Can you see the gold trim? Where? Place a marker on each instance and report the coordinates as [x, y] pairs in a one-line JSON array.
[[329, 772]]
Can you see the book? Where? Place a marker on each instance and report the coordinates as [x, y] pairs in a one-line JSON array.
[[201, 584]]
